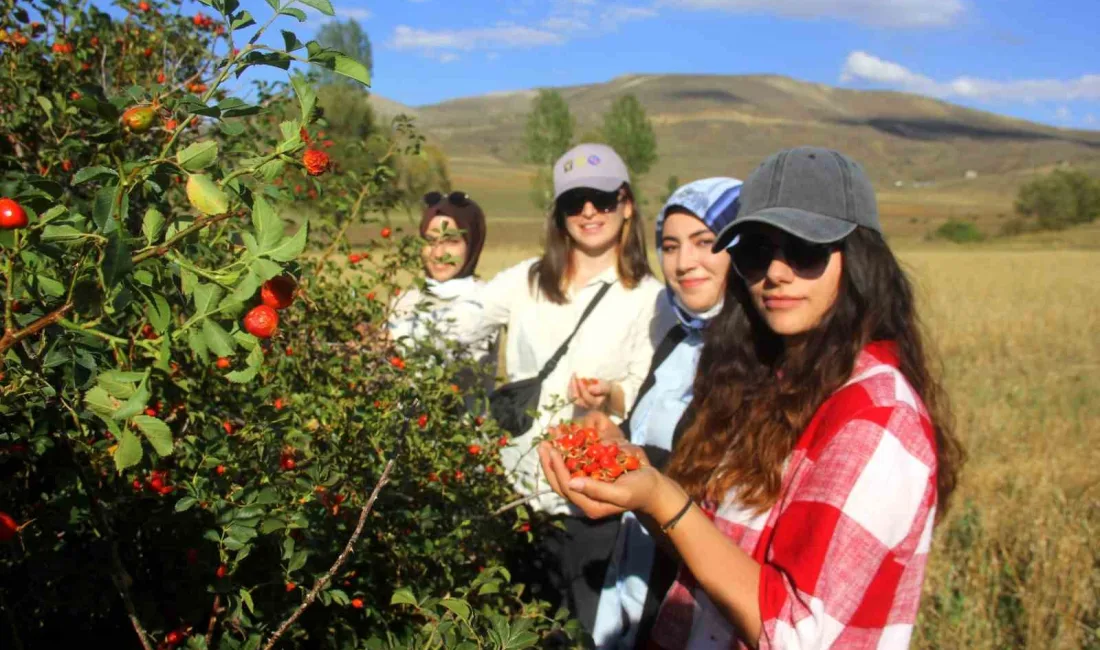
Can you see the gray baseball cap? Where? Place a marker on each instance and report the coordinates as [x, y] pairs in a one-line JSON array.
[[815, 194], [589, 165]]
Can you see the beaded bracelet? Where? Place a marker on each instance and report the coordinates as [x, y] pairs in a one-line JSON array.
[[672, 522]]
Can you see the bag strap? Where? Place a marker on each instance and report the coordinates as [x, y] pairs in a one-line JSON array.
[[553, 361]]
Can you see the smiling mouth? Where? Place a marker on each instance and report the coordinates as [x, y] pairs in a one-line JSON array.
[[591, 227], [691, 283]]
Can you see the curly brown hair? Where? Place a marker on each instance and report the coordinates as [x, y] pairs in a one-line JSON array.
[[753, 396]]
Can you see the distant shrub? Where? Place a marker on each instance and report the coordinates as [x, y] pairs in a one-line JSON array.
[[1059, 200], [1017, 226], [960, 232]]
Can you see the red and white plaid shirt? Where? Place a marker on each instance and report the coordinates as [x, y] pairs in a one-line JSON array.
[[843, 550]]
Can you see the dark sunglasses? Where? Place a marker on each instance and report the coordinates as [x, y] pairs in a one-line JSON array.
[[754, 252], [573, 202], [457, 199]]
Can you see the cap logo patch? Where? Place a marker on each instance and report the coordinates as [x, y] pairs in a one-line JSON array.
[[580, 161]]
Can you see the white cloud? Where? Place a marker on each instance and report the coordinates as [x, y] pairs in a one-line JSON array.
[[486, 38], [1090, 119], [353, 13], [1063, 113], [564, 24], [886, 13], [448, 57], [616, 14], [867, 68]]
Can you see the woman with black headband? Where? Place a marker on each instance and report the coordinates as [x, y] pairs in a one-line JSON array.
[[453, 226]]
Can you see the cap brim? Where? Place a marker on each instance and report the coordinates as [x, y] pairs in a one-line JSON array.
[[602, 183], [810, 226]]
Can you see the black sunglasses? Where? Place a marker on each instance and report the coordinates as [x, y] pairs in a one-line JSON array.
[[573, 202], [754, 252], [458, 199]]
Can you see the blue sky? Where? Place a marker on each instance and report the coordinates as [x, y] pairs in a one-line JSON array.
[[1033, 59]]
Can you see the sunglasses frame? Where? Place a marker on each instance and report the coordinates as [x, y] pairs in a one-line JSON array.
[[799, 254], [457, 198], [588, 194]]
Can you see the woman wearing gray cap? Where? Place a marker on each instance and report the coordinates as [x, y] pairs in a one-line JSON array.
[[580, 318], [802, 499]]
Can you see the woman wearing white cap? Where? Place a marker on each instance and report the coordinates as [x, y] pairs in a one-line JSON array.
[[592, 279]]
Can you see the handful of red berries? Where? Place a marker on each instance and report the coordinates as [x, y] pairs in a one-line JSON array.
[[585, 455]]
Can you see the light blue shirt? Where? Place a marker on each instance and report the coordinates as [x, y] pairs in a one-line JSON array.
[[653, 422]]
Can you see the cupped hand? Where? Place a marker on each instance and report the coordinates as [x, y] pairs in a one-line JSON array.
[[591, 394], [598, 499]]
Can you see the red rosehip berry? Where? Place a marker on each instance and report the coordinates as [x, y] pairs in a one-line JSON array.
[[386, 233], [261, 321], [12, 215], [357, 603], [278, 292], [222, 362], [474, 450], [422, 421], [222, 571]]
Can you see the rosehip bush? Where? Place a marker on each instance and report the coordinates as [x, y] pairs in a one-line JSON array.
[[208, 440]]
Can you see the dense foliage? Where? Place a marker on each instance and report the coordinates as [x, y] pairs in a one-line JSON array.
[[199, 407]]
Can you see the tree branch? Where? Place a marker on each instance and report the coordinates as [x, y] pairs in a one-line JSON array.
[[348, 548], [155, 251], [519, 502], [214, 611], [11, 338]]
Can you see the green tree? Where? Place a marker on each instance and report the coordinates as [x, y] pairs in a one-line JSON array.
[[671, 185], [419, 174], [629, 132], [349, 114], [348, 37], [549, 128], [1061, 199]]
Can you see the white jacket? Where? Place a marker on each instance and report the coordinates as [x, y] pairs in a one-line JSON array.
[[616, 344]]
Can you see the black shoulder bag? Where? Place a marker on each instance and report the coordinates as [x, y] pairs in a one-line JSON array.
[[511, 404]]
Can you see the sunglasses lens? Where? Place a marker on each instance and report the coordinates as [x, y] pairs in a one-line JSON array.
[[752, 255], [431, 198], [805, 256], [458, 198], [573, 201]]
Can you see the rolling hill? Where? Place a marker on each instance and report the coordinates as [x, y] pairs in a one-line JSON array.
[[917, 149]]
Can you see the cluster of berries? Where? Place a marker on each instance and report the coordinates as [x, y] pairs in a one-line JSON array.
[[585, 455]]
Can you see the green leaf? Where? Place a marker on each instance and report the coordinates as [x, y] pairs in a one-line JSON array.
[[266, 269], [120, 385], [136, 403], [207, 297], [339, 596], [101, 403], [291, 43], [116, 259], [205, 195], [242, 534], [243, 375], [159, 313], [351, 68], [271, 525], [460, 608], [324, 6], [198, 156], [232, 129], [129, 452], [403, 596], [93, 173], [268, 225], [156, 432], [307, 98], [247, 599], [294, 11], [61, 233], [242, 20], [186, 503], [152, 225], [104, 208], [291, 247], [217, 339], [50, 286], [297, 562], [197, 342]]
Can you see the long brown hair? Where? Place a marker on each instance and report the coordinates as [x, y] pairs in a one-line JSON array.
[[753, 397], [552, 272]]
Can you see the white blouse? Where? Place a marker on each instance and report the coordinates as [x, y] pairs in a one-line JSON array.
[[616, 343], [417, 315]]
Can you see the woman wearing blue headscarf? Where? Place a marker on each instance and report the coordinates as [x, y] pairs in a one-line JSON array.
[[640, 573]]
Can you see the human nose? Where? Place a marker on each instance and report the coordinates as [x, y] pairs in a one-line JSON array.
[[779, 271], [589, 210]]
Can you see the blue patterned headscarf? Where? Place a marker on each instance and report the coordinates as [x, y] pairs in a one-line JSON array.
[[715, 202]]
